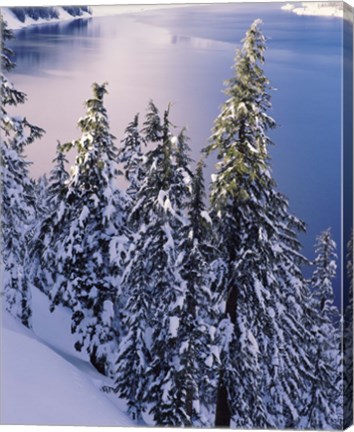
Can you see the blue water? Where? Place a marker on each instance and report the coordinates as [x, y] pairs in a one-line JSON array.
[[183, 55]]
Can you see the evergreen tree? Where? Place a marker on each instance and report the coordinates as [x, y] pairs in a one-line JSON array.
[[323, 406], [132, 158], [199, 353], [167, 395], [40, 188], [264, 361], [58, 178], [148, 372], [134, 349], [86, 236], [182, 173], [50, 196], [18, 211], [97, 237]]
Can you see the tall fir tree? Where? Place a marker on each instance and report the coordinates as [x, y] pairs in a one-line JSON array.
[[132, 157], [97, 236], [148, 372], [131, 381], [167, 395], [86, 235], [40, 187], [18, 206], [323, 407], [51, 196], [199, 354], [264, 361], [58, 178]]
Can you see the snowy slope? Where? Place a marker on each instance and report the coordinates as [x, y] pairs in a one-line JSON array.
[[53, 328], [42, 384], [14, 23]]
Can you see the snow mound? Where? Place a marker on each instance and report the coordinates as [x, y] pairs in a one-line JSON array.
[[38, 386], [45, 381]]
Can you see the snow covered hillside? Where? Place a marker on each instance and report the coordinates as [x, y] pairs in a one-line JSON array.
[[18, 17], [34, 368]]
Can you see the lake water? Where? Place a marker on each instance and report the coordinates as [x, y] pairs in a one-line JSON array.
[[183, 55]]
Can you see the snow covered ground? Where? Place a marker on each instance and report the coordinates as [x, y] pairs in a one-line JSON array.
[[44, 381]]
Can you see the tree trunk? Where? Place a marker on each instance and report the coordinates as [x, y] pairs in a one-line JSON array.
[[98, 363], [191, 308], [189, 405], [223, 412]]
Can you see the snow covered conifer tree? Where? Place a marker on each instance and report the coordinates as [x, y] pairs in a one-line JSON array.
[[264, 285], [134, 349], [93, 250], [51, 194], [131, 156], [41, 195], [58, 178], [198, 353], [182, 172], [86, 234], [148, 373], [18, 209], [323, 407], [167, 394]]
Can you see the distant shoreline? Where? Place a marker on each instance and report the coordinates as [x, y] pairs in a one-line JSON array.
[[15, 24], [97, 11]]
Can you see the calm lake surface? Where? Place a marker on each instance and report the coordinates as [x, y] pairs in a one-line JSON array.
[[182, 56]]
